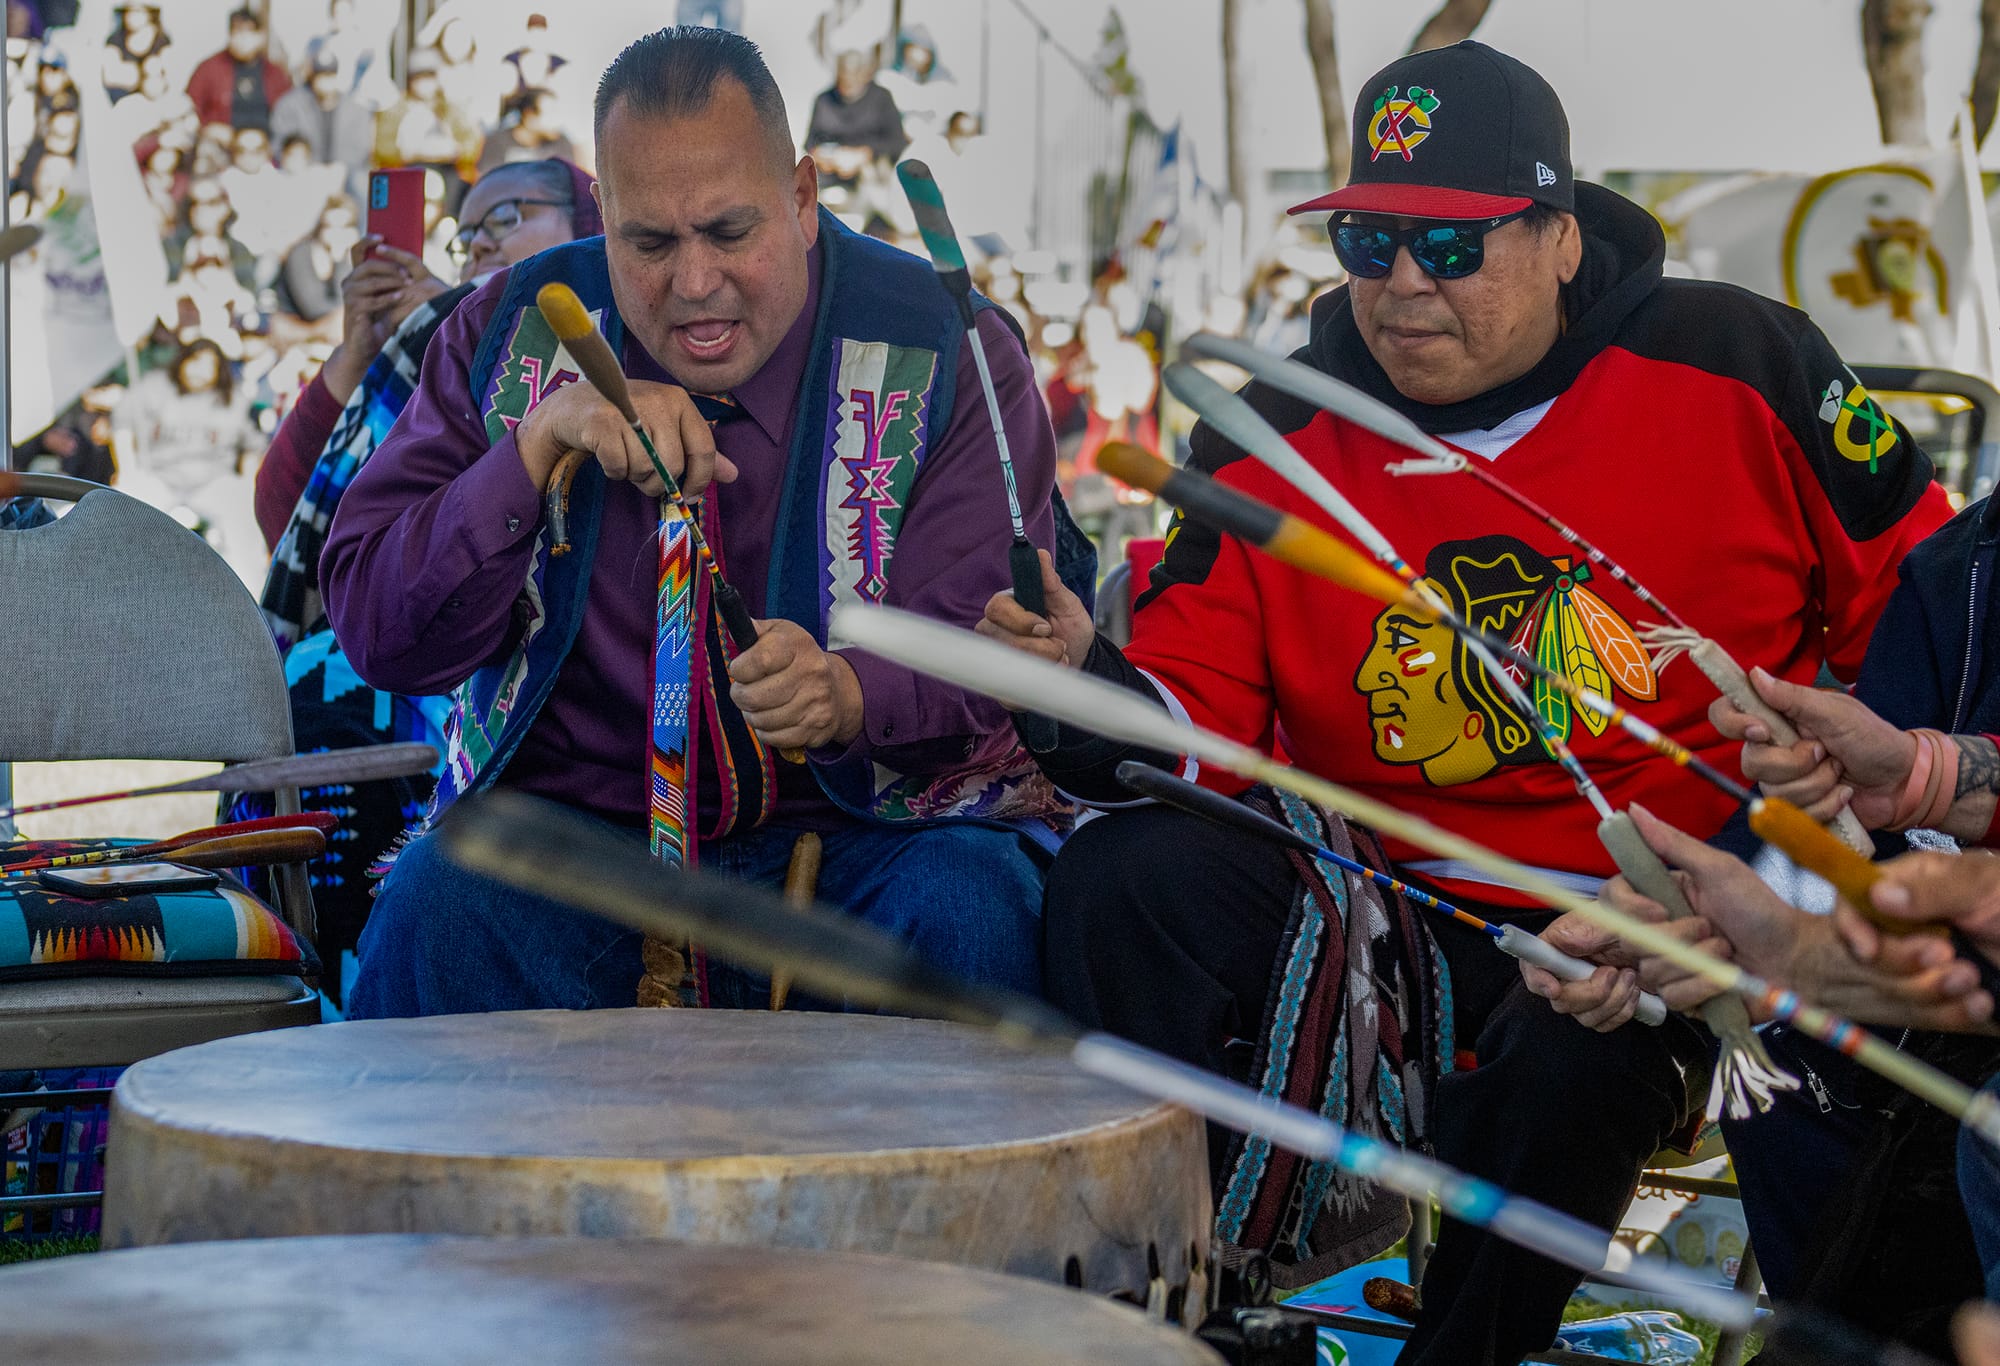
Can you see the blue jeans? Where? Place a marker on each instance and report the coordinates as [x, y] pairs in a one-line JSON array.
[[1979, 1185], [444, 941]]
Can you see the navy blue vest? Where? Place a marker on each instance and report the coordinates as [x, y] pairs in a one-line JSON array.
[[876, 397]]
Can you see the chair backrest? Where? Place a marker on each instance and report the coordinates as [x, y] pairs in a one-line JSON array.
[[128, 638]]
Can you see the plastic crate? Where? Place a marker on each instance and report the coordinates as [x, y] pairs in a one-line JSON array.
[[59, 1150]]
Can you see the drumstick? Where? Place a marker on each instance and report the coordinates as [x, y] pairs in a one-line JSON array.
[[801, 881], [1009, 676], [1148, 781], [1343, 400], [948, 259], [327, 768], [548, 850], [1024, 567], [321, 821], [255, 849], [571, 323], [1304, 546]]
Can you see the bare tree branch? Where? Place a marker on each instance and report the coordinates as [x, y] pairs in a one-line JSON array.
[[1234, 134], [1454, 20], [1326, 76], [1986, 75], [1892, 41]]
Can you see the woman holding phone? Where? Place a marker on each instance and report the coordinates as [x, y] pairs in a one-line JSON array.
[[511, 213], [392, 307]]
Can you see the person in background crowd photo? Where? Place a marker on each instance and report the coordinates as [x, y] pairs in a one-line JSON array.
[[354, 46], [239, 85], [136, 37], [855, 138], [924, 92], [314, 268], [425, 129], [337, 127], [187, 430], [525, 134]]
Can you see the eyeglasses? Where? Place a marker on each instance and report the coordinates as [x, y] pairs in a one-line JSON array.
[[1444, 250], [500, 220]]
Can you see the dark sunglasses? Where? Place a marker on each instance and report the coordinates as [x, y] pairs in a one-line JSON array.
[[1444, 250]]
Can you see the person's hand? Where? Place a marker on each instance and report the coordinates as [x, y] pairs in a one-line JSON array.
[[794, 694], [1061, 637], [1845, 754], [1975, 1334], [384, 287], [1913, 981], [1602, 1001], [1678, 988], [578, 418], [1610, 996], [1924, 888]]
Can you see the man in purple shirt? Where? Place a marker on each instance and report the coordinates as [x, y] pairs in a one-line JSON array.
[[724, 281]]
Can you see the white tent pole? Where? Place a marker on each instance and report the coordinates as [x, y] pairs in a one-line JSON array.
[[1984, 275]]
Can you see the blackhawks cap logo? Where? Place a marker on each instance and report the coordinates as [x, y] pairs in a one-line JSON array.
[[1401, 122]]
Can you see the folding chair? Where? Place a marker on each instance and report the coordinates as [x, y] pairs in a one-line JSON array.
[[129, 638]]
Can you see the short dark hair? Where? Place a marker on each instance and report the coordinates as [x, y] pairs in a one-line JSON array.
[[243, 18], [672, 74], [1541, 219]]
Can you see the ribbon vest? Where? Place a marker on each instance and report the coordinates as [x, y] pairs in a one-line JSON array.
[[876, 398]]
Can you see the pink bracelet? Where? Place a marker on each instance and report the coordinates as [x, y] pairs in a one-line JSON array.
[[1917, 791], [1932, 786], [1946, 781]]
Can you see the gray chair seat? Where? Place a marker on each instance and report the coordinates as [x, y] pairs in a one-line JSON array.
[[114, 1021]]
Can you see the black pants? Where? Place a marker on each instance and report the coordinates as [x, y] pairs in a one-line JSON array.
[[1165, 929]]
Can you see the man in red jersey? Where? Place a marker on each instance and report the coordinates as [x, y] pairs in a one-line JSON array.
[[1709, 439]]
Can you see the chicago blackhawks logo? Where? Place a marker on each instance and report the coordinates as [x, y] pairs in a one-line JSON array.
[[1862, 432], [1431, 703], [1401, 122]]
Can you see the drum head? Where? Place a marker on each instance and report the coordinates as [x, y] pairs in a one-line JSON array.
[[384, 1300], [846, 1133]]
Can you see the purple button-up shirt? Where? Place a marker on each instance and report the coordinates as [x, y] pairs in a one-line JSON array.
[[434, 539]]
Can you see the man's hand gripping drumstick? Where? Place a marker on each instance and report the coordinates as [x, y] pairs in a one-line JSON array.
[[794, 694]]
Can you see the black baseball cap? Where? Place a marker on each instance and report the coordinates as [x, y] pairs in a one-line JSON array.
[[1456, 132]]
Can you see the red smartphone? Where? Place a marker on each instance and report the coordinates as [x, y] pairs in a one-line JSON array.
[[396, 208]]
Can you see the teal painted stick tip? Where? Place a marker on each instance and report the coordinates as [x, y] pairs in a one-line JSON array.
[[933, 223]]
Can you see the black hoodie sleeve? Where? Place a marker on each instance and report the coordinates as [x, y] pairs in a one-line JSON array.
[[1085, 765]]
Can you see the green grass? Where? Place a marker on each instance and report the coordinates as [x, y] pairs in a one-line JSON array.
[[21, 1250]]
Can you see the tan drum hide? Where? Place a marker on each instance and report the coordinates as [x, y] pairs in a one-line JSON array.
[[837, 1132], [474, 1302]]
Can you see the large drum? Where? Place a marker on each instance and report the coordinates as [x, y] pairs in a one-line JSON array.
[[479, 1301], [837, 1132]]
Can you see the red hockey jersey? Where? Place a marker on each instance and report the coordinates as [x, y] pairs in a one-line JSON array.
[[1715, 446]]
